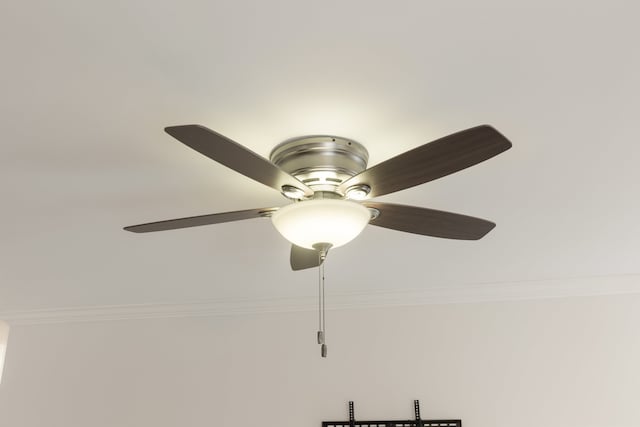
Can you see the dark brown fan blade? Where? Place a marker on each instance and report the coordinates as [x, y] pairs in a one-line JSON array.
[[431, 161], [429, 222], [303, 258], [235, 156], [196, 221]]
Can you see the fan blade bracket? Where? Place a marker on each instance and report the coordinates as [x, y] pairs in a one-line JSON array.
[[375, 213], [293, 193], [357, 192]]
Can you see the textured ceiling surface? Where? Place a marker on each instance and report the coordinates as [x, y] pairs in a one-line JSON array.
[[87, 88]]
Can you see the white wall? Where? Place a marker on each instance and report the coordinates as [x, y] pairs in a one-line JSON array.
[[564, 362]]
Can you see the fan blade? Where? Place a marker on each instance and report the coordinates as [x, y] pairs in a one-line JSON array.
[[303, 258], [235, 156], [429, 222], [196, 221], [431, 161]]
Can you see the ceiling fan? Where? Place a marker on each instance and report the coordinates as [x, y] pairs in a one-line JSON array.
[[328, 180]]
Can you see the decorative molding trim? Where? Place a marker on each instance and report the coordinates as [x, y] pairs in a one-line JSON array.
[[470, 293]]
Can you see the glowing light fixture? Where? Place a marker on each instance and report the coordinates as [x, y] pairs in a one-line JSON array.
[[4, 336], [331, 221]]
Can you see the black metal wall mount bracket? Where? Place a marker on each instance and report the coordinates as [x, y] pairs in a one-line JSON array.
[[418, 422]]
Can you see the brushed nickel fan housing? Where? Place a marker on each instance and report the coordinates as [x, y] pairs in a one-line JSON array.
[[322, 162]]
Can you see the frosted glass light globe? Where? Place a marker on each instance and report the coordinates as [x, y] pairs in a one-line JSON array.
[[321, 221]]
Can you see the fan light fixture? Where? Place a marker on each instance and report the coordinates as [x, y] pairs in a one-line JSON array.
[[4, 336], [331, 221], [326, 176]]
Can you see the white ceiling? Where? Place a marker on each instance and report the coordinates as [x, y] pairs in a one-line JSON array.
[[88, 86]]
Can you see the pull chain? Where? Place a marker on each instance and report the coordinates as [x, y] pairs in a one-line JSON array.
[[323, 347], [323, 249], [320, 305]]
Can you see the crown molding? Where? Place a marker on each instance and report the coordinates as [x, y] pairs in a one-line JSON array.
[[469, 293]]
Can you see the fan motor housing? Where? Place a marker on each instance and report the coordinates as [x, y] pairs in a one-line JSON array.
[[322, 162]]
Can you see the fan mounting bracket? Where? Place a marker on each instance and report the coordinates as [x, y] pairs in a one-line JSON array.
[[321, 162]]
